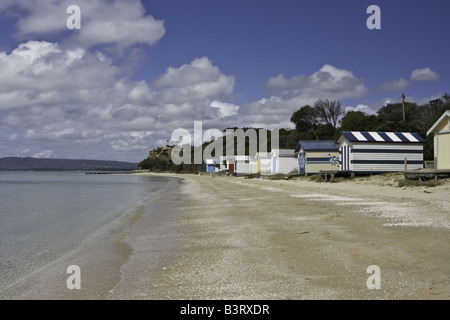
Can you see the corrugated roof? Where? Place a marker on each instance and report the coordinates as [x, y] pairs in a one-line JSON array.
[[363, 136], [317, 145]]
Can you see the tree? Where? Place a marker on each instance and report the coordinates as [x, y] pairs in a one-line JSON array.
[[305, 119], [329, 111], [359, 121], [325, 131]]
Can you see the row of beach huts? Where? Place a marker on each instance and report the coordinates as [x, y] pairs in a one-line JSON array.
[[354, 151]]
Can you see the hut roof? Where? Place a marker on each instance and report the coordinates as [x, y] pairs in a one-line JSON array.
[[381, 137], [446, 116], [318, 145]]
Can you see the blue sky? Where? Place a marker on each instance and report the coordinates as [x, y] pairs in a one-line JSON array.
[[94, 92]]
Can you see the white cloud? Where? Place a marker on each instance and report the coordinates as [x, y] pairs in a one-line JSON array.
[[425, 74], [59, 98], [290, 94], [363, 108], [121, 23], [199, 80], [44, 154], [328, 82], [41, 73], [226, 109], [396, 85], [12, 137], [199, 71]]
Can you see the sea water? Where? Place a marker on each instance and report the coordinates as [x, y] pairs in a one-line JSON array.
[[45, 214]]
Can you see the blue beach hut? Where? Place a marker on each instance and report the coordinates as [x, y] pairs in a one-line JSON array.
[[314, 156]]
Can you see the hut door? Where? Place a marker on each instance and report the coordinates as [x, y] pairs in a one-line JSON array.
[[345, 155], [302, 163]]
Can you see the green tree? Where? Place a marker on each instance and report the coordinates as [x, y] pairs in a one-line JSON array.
[[305, 119], [359, 121], [325, 131]]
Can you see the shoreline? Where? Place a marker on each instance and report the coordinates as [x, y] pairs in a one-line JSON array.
[[235, 238], [100, 257]]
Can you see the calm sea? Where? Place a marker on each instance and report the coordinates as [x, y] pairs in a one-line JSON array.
[[44, 215]]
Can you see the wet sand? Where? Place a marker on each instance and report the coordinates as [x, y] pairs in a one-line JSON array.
[[236, 238], [120, 251]]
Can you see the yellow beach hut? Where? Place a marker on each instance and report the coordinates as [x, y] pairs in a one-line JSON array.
[[441, 132]]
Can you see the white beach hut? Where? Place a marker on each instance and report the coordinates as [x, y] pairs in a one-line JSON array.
[[261, 163], [283, 161], [241, 164], [264, 163], [377, 152]]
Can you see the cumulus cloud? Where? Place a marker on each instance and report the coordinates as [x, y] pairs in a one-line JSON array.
[[290, 94], [198, 80], [54, 97], [425, 74], [225, 109], [121, 23], [59, 97], [44, 154], [41, 73], [363, 108], [396, 85], [328, 82]]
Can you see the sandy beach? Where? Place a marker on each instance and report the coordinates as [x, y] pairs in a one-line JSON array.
[[235, 238], [300, 239]]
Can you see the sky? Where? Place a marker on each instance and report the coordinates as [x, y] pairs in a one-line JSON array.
[[95, 92]]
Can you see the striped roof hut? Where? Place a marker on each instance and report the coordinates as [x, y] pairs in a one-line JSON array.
[[370, 152]]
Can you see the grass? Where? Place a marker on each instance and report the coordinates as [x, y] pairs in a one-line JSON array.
[[277, 176], [418, 183]]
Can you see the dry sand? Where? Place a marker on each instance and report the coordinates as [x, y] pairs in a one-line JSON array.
[[236, 238], [299, 239]]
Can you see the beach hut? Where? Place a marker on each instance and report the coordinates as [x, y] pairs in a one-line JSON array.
[[264, 163], [260, 163], [441, 138], [222, 163], [314, 156], [377, 152], [283, 161], [241, 164], [210, 165], [230, 163]]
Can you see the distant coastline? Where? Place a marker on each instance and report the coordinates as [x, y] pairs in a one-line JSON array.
[[38, 164]]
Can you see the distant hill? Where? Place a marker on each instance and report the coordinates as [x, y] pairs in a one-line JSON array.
[[17, 163]]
